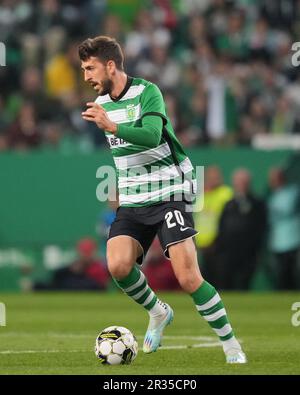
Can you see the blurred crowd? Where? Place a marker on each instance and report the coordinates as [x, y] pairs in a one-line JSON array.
[[241, 233], [224, 67]]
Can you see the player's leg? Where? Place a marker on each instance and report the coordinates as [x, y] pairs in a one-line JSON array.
[[122, 253], [207, 300]]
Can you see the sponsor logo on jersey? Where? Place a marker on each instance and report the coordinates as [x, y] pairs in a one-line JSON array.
[[116, 142]]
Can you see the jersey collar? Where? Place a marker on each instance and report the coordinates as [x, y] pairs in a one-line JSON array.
[[127, 86]]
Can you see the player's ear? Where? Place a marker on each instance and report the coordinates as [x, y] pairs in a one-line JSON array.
[[111, 66]]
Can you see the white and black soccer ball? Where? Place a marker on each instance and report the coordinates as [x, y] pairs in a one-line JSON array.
[[116, 345]]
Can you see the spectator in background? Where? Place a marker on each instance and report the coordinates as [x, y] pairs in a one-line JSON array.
[[106, 218], [61, 76], [138, 40], [221, 104], [259, 115], [233, 41], [24, 133], [3, 124], [195, 119], [108, 215], [260, 40], [216, 195], [158, 269], [160, 67], [216, 112], [284, 120], [241, 233], [186, 137], [113, 27], [32, 91], [284, 228], [85, 273]]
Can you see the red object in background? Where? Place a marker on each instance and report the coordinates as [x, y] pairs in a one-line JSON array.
[[93, 267], [170, 18], [97, 271], [158, 270], [160, 276], [86, 247]]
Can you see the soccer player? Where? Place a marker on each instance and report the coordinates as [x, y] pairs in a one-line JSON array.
[[155, 177]]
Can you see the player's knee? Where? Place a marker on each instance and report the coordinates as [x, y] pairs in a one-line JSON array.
[[118, 267], [189, 278], [188, 283]]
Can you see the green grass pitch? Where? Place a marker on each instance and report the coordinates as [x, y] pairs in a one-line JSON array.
[[55, 334]]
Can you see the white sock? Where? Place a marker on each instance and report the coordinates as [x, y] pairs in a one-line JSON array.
[[231, 343], [158, 309]]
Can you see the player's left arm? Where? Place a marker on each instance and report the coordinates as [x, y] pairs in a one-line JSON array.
[[152, 118]]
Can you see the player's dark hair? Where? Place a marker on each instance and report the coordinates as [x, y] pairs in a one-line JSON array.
[[104, 48]]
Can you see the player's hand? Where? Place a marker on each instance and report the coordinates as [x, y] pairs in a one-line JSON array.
[[97, 114]]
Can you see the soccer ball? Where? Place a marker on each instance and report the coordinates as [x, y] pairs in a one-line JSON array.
[[116, 345]]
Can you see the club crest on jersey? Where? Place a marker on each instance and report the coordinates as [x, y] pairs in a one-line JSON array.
[[130, 112]]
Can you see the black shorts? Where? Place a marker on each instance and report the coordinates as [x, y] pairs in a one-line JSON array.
[[169, 220]]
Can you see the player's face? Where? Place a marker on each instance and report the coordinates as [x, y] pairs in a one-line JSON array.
[[97, 75]]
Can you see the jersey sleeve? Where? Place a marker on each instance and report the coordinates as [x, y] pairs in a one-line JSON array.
[[153, 117], [148, 135], [152, 101]]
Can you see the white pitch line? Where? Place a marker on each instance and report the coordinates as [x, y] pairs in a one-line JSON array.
[[203, 338], [200, 345], [80, 335], [177, 347], [49, 334], [39, 351]]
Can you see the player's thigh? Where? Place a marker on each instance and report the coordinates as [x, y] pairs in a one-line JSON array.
[[122, 253], [184, 261]]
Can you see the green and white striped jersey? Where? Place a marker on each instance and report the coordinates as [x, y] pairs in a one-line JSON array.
[[146, 175]]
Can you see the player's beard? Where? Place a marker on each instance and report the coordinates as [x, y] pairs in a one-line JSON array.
[[106, 87]]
